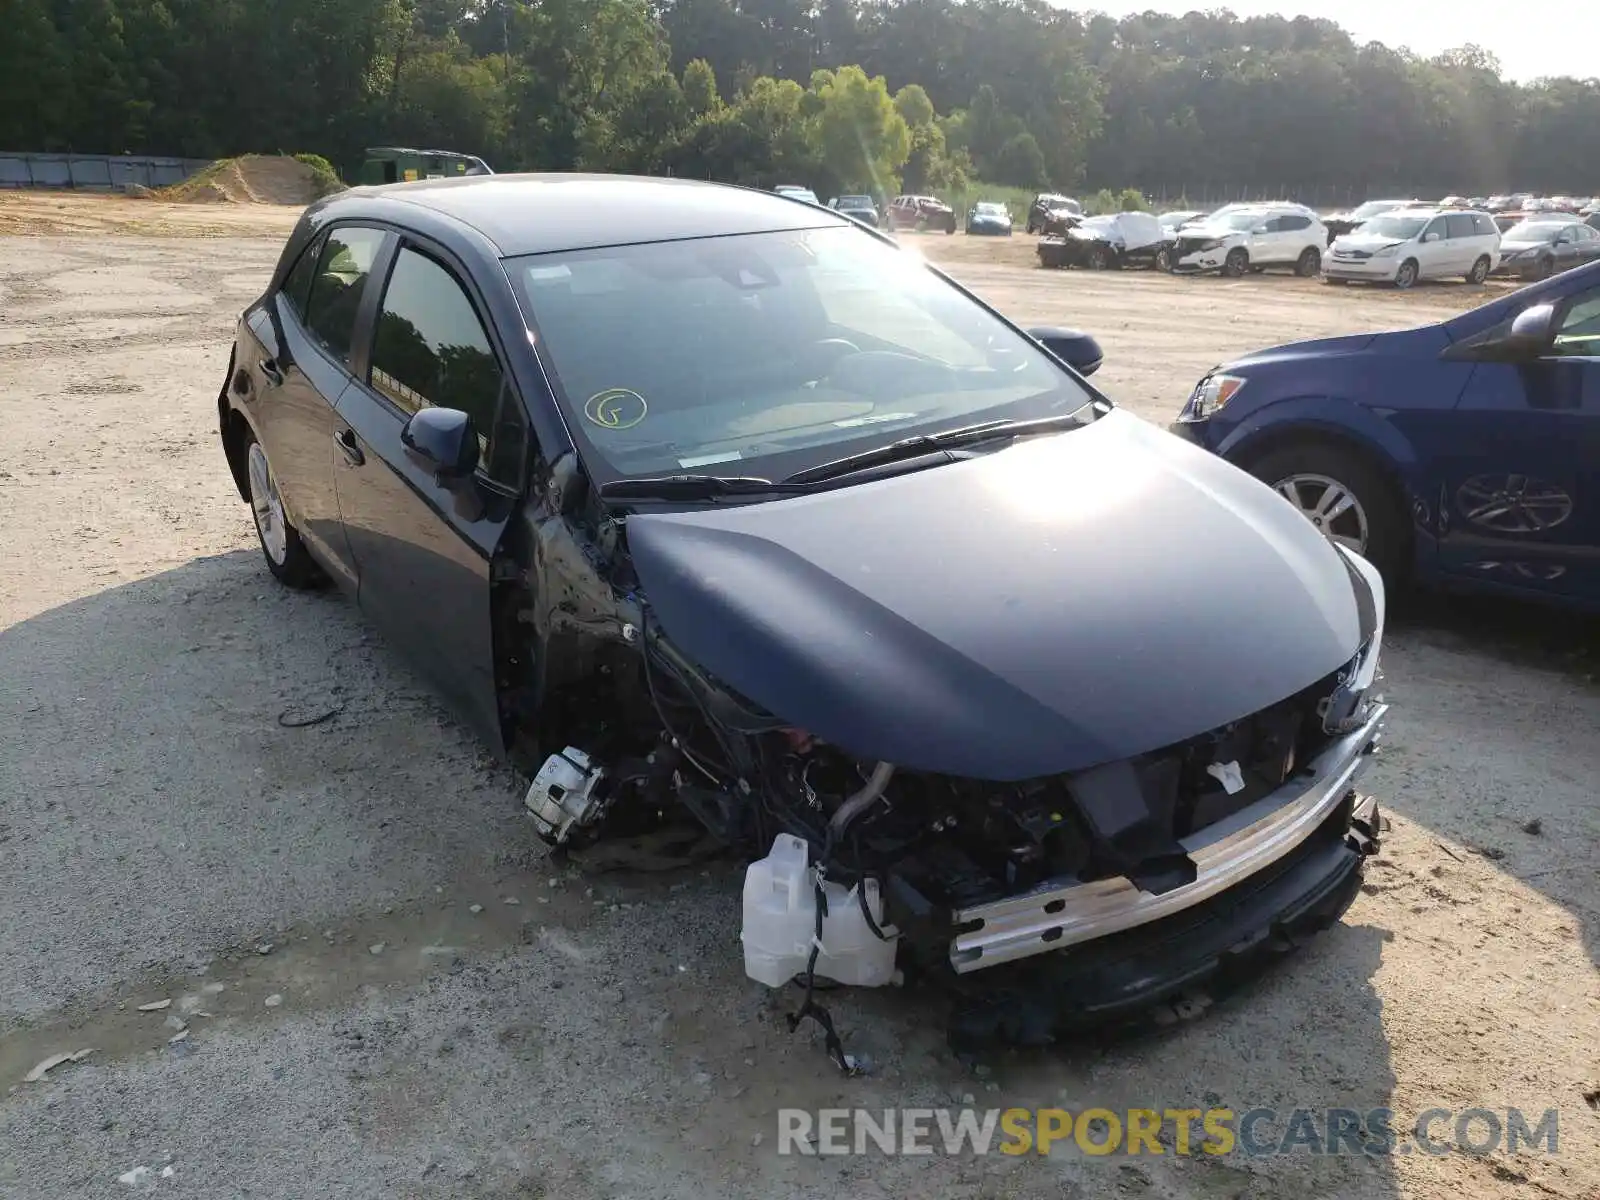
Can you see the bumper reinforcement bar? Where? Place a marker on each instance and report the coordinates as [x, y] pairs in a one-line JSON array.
[[1053, 917]]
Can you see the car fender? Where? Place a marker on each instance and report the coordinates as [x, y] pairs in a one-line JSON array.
[[1334, 418]]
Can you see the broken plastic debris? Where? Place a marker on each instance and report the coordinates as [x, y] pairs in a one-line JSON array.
[[44, 1068], [178, 1023], [378, 947], [274, 1000], [137, 1177], [166, 1172], [1228, 775], [212, 989], [181, 1036], [80, 1055], [474, 908], [155, 1006]]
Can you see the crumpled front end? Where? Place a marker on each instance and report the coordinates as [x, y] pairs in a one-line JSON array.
[[1197, 252]]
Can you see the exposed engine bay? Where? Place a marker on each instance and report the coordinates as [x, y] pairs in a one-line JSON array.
[[867, 871]]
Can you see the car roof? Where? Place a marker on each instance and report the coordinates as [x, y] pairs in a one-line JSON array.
[[540, 213]]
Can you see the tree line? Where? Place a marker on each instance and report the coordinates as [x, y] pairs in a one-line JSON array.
[[839, 94]]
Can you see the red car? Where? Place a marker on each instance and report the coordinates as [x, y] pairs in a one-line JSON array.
[[919, 212]]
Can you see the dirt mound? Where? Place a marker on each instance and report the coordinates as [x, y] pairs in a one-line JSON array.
[[249, 179]]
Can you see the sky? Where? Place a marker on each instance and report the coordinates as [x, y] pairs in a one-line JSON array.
[[1562, 39]]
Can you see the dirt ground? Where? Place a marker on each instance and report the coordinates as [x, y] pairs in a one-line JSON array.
[[388, 989]]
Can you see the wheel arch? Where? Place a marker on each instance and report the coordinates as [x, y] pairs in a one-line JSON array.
[[1375, 442], [235, 430]]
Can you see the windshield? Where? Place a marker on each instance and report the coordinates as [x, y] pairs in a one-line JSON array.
[[1177, 218], [855, 201], [1397, 227], [985, 209], [1537, 231], [1373, 207], [777, 349]]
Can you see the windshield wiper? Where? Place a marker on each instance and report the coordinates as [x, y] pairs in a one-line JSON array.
[[929, 443], [688, 487]]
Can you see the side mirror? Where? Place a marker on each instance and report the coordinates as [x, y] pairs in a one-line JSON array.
[[1072, 346], [1531, 333], [1430, 236], [445, 440]]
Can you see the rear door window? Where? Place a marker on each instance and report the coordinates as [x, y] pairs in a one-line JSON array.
[[297, 286], [431, 348], [1461, 225], [343, 268], [1485, 224], [1293, 222]]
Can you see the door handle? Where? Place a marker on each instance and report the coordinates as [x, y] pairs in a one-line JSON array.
[[269, 368], [345, 439]]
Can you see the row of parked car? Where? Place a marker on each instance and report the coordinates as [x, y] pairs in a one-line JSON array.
[[1399, 243]]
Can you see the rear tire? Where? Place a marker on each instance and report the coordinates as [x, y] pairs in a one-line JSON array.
[[1406, 276], [1480, 270], [1309, 262], [287, 557], [1310, 470], [1236, 263]]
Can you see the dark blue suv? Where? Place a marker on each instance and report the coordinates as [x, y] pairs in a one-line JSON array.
[[1466, 452]]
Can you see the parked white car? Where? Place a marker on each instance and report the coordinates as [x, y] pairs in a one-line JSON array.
[[1240, 238], [1409, 244]]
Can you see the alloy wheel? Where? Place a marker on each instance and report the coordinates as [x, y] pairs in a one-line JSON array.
[[1330, 506], [1406, 275], [267, 507]]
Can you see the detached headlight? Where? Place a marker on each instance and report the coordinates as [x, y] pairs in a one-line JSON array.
[[1211, 393]]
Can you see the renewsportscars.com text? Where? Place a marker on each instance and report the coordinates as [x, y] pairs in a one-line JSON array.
[[1256, 1132]]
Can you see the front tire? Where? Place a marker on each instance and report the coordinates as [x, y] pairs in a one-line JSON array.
[[1406, 277], [287, 557], [1309, 262], [1480, 270], [1098, 260], [1163, 260], [1544, 268], [1344, 496], [1236, 263]]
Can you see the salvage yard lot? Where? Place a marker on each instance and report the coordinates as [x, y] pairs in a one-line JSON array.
[[170, 827]]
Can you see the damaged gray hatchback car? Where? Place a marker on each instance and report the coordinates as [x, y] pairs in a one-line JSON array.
[[705, 505]]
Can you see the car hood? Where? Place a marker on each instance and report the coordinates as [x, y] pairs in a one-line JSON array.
[[1365, 242], [1508, 243], [1068, 601], [1327, 350], [1200, 230]]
